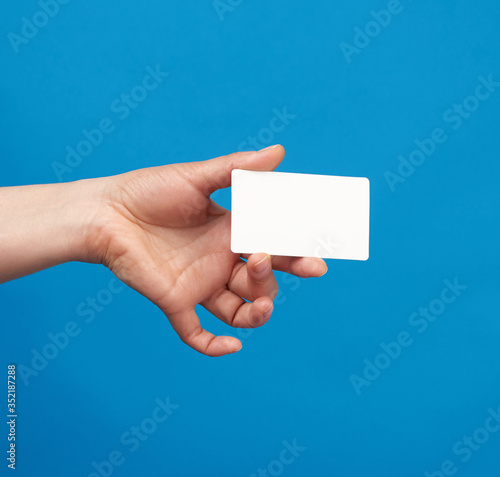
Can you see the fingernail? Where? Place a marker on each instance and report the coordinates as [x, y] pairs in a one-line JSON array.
[[268, 312], [270, 147], [263, 265], [324, 273]]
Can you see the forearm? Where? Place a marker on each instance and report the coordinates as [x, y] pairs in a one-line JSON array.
[[45, 225]]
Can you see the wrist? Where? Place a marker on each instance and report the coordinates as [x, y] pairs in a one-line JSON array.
[[88, 217], [48, 224]]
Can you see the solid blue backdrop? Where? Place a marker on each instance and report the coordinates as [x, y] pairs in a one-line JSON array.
[[325, 388]]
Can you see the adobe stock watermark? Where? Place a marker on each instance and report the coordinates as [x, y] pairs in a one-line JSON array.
[[420, 321], [455, 117], [133, 438], [468, 445], [31, 26], [327, 245], [265, 136], [287, 456], [58, 341], [287, 283], [222, 7], [121, 107], [363, 36]]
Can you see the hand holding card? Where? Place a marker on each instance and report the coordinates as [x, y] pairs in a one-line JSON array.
[[300, 214]]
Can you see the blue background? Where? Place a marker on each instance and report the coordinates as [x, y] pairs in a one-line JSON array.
[[292, 378]]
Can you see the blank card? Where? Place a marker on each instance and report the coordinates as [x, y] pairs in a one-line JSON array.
[[302, 215]]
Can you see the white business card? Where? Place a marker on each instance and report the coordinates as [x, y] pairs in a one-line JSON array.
[[301, 215]]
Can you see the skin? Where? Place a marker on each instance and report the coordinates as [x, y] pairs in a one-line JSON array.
[[158, 231]]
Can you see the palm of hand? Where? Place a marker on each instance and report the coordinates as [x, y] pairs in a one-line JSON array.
[[178, 243]]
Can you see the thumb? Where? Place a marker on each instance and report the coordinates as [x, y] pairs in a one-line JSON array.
[[215, 174]]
